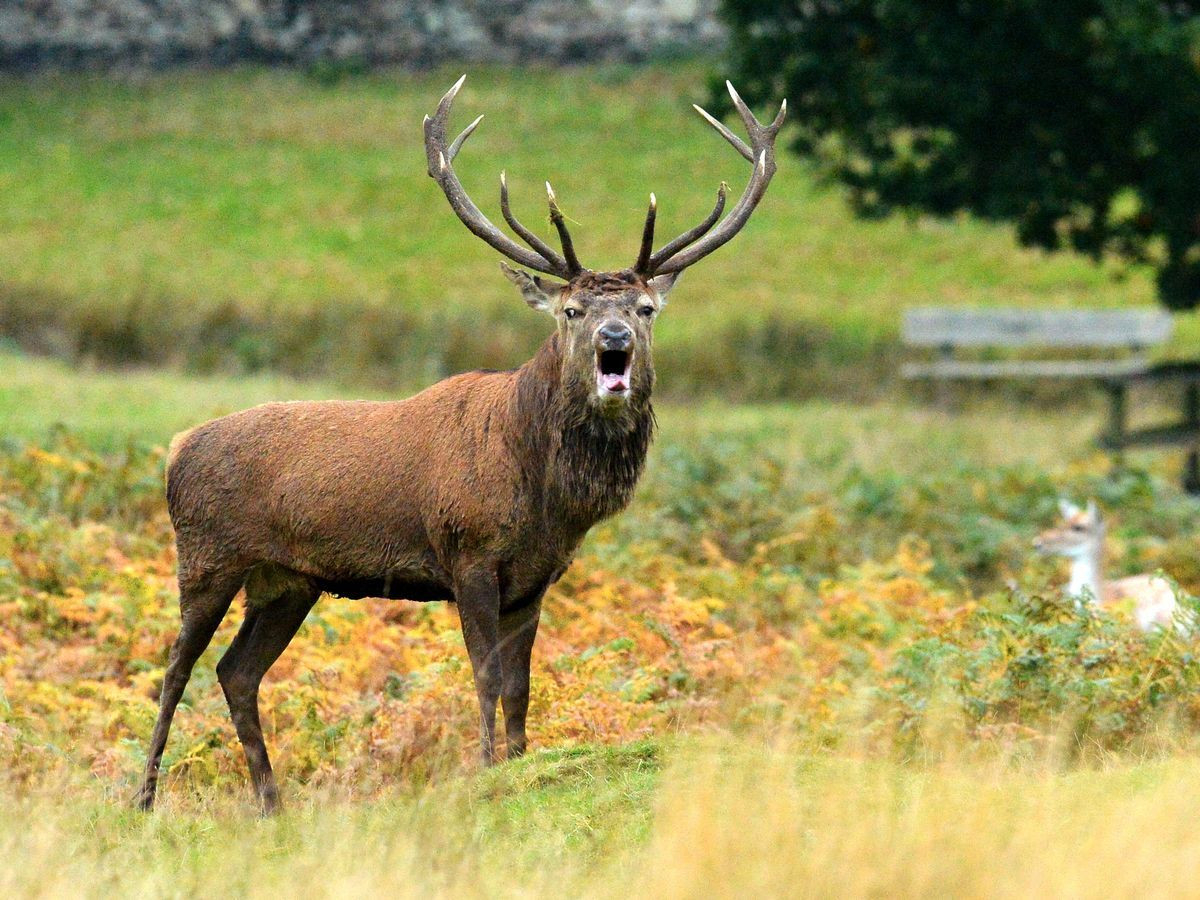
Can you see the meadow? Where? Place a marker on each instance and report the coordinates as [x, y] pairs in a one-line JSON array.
[[816, 657], [262, 220], [818, 635]]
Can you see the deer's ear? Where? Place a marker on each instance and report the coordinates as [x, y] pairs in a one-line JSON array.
[[537, 291], [1093, 512], [1067, 508], [662, 284]]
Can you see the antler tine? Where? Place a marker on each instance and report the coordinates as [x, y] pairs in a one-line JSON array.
[[443, 108], [642, 265], [752, 124], [456, 145], [761, 154], [524, 233], [564, 236], [738, 144], [665, 252], [440, 157], [777, 122]]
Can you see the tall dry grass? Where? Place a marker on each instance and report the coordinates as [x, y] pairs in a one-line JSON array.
[[851, 828], [752, 818]]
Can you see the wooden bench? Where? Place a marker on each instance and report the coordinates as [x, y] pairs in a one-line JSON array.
[[1130, 332]]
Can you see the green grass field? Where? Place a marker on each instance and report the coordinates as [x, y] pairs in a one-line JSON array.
[[260, 220], [816, 657]]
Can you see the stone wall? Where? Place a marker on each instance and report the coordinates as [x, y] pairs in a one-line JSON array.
[[130, 34]]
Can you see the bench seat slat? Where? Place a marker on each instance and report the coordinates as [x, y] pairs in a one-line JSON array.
[[1056, 368], [966, 327]]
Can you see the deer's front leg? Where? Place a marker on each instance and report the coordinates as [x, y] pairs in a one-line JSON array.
[[518, 628], [478, 598]]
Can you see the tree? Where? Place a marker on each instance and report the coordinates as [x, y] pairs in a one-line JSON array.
[[1079, 120]]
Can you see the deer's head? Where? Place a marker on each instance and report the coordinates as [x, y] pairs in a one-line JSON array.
[[1079, 533], [605, 320]]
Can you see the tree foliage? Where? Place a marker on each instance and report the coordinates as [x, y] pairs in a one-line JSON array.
[[1079, 120]]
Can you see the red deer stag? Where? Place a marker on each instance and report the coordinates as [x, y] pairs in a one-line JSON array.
[[477, 490]]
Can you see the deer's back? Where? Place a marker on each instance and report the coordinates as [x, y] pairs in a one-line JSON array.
[[1151, 597]]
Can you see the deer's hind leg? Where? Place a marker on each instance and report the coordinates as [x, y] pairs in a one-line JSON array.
[[203, 602], [277, 601]]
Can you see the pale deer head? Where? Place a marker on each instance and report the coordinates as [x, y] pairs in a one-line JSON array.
[[1079, 537], [1080, 533]]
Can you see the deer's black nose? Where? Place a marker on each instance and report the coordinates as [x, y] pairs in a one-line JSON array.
[[614, 336]]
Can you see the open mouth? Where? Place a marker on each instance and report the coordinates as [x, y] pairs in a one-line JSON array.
[[612, 371]]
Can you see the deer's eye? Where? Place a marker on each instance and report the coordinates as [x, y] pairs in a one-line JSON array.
[[572, 313], [646, 311]]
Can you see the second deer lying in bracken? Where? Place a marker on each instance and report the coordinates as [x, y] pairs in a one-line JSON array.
[[477, 490], [1080, 538]]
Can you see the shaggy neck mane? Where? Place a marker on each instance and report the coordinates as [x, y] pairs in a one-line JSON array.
[[582, 464]]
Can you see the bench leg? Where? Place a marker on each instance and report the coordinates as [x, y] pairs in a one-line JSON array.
[[943, 397], [1191, 417], [1191, 472], [1117, 422]]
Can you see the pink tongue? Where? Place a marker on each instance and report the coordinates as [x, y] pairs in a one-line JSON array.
[[613, 383]]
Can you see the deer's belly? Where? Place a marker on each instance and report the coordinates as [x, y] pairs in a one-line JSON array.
[[387, 587]]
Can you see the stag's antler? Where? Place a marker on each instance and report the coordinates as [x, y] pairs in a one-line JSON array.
[[693, 245], [440, 157]]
